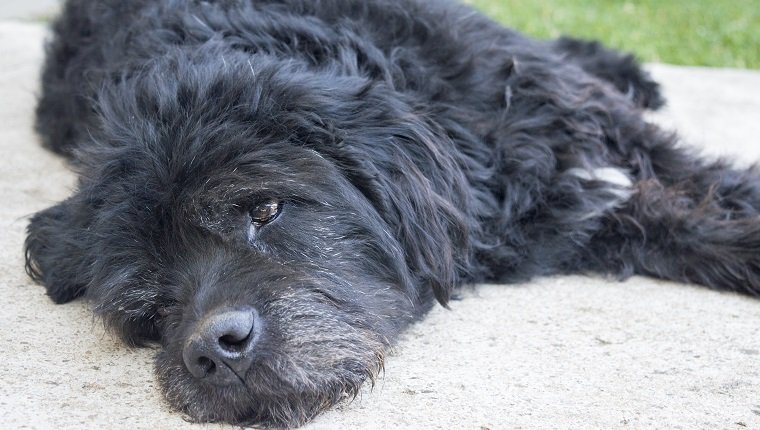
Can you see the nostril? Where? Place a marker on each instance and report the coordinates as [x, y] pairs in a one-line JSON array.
[[234, 343], [196, 362], [206, 366], [233, 330]]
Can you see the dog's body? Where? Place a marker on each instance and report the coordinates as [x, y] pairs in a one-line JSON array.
[[275, 189]]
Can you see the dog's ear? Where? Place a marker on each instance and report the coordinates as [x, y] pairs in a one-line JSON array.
[[56, 249], [430, 231], [403, 166], [406, 162]]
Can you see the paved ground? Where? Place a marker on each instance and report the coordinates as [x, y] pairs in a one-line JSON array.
[[28, 9], [557, 353]]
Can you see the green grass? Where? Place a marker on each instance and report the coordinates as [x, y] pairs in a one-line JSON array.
[[717, 33]]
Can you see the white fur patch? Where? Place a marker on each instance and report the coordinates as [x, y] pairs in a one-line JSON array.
[[619, 186]]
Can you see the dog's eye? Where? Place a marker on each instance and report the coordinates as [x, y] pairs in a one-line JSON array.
[[265, 213]]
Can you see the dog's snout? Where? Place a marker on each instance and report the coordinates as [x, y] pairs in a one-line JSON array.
[[220, 349]]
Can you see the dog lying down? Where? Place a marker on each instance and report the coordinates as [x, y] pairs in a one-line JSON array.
[[273, 190]]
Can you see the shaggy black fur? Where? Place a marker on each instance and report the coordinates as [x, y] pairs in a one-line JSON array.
[[329, 168]]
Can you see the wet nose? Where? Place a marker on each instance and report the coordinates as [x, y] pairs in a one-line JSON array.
[[220, 349]]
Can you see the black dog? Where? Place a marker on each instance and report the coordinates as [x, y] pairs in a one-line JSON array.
[[274, 189]]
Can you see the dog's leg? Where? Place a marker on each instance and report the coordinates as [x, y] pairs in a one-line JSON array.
[[54, 250], [620, 69], [687, 220]]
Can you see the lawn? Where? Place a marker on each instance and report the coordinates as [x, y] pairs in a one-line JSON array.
[[718, 33]]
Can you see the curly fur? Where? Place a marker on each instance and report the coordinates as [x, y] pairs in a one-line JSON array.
[[416, 146]]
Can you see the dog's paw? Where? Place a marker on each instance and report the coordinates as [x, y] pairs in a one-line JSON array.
[[53, 253]]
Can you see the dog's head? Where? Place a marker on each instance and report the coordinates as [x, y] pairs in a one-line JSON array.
[[273, 228]]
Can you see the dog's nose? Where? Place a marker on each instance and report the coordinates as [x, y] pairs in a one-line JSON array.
[[220, 350]]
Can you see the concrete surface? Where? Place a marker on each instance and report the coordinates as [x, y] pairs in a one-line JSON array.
[[28, 9], [557, 353]]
